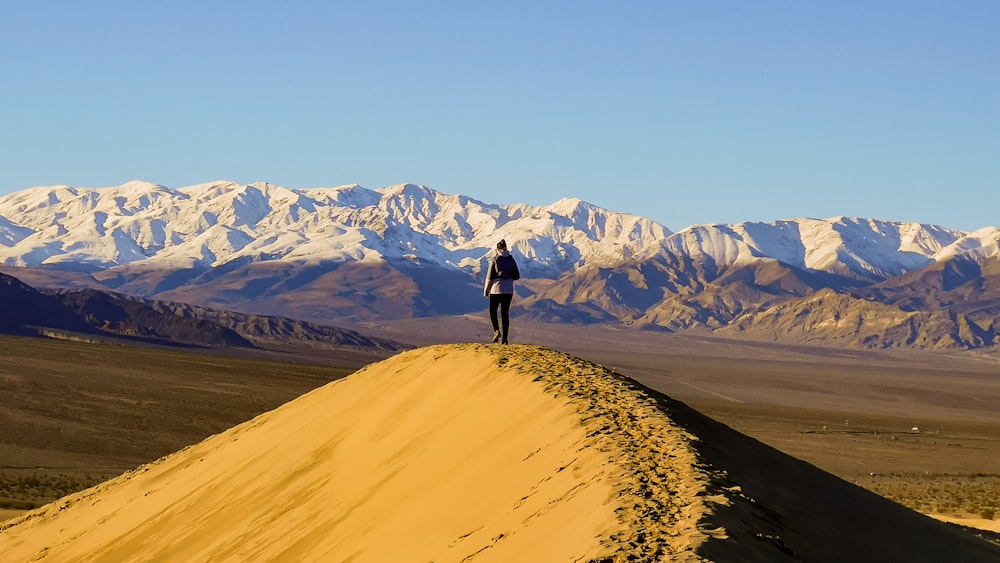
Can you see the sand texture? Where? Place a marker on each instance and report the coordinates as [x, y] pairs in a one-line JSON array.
[[481, 453]]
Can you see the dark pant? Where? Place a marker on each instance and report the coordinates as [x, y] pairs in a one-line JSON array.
[[501, 301]]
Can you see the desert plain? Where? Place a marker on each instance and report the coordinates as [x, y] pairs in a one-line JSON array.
[[920, 429]]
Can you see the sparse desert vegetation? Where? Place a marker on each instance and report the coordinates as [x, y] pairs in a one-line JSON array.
[[26, 489], [975, 495], [947, 469]]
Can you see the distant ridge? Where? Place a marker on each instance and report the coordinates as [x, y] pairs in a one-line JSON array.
[[408, 251], [90, 312]]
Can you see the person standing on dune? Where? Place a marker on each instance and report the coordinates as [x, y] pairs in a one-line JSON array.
[[500, 290]]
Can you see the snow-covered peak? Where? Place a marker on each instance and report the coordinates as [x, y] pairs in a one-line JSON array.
[[981, 243], [141, 185], [568, 206], [849, 246], [410, 191], [351, 195]]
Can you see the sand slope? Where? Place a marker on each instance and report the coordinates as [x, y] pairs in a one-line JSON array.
[[469, 452]]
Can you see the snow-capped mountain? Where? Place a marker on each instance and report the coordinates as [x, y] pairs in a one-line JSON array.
[[325, 254], [864, 249], [217, 223]]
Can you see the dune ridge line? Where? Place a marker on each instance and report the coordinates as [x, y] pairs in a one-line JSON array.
[[663, 492]]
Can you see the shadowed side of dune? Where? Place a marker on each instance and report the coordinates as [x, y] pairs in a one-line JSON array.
[[754, 502], [780, 508]]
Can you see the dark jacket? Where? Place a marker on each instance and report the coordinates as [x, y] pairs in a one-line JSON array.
[[502, 273]]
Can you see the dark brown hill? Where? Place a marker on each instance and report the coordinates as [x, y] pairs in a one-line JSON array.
[[26, 311], [96, 313], [132, 317]]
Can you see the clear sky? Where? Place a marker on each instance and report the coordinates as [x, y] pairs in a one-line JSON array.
[[686, 111]]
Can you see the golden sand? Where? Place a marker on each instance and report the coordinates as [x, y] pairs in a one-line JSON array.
[[446, 453]]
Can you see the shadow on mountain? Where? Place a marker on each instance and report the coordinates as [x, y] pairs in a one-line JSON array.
[[443, 291], [26, 310]]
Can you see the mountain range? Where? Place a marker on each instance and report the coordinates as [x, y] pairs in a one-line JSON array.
[[349, 254]]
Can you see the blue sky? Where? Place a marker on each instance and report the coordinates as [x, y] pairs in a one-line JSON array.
[[686, 112]]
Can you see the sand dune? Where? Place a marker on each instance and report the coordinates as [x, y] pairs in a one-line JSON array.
[[481, 453]]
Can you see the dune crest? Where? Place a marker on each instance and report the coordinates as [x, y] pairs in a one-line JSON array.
[[447, 453]]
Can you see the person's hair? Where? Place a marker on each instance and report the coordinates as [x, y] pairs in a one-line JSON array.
[[502, 245]]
